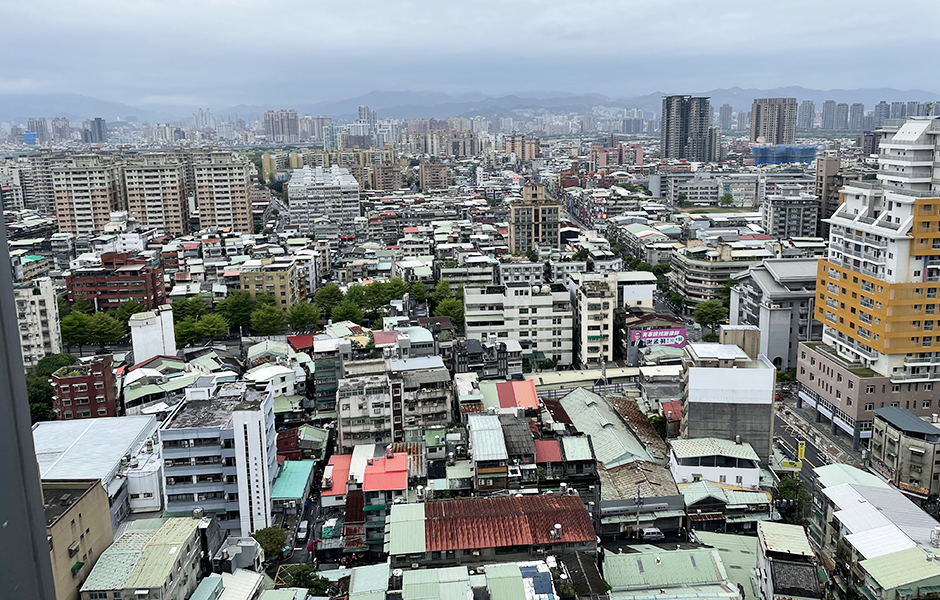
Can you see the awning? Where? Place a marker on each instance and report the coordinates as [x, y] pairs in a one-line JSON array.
[[78, 566], [666, 514], [707, 517], [916, 450], [930, 589]]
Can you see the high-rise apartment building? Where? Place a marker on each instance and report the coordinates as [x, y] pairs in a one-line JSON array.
[[773, 120], [386, 177], [724, 117], [433, 176], [841, 117], [282, 126], [898, 110], [223, 190], [525, 148], [156, 193], [61, 130], [596, 304], [37, 314], [878, 290], [40, 128], [38, 190], [857, 117], [315, 192], [534, 220], [882, 112], [684, 129], [95, 131], [830, 177], [791, 213], [806, 117], [87, 189], [828, 115], [744, 120]]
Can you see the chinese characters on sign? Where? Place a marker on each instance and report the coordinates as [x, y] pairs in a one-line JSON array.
[[674, 337]]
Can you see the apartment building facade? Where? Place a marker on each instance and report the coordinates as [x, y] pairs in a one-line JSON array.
[[85, 390], [120, 277], [87, 189], [534, 220], [877, 290], [791, 213], [685, 128], [37, 316], [904, 450], [773, 120], [778, 296], [222, 183], [830, 177], [280, 279], [220, 454], [386, 177], [700, 272], [157, 195], [433, 176], [317, 192], [595, 296], [539, 317]]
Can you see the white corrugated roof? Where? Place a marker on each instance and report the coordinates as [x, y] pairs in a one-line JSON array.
[[712, 447], [879, 541]]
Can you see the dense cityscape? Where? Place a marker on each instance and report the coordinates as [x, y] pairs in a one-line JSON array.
[[520, 347]]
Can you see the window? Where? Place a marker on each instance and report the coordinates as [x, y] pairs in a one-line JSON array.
[[869, 406], [869, 389], [926, 404], [896, 387], [927, 388]]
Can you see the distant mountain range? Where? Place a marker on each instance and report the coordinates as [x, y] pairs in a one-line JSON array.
[[407, 104]]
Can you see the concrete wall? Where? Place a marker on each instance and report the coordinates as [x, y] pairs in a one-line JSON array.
[[753, 422]]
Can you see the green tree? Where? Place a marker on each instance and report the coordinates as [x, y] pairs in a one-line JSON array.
[[104, 329], [580, 255], [395, 289], [328, 297], [267, 319], [304, 575], [726, 200], [453, 308], [39, 392], [660, 270], [303, 316], [346, 311], [126, 310], [710, 313], [418, 291], [64, 308], [262, 299], [41, 412], [659, 424], [355, 293], [272, 540], [645, 266], [51, 363], [374, 297], [236, 308], [187, 332], [75, 329], [726, 292], [794, 500], [82, 305], [212, 326], [531, 255], [634, 263], [676, 299], [188, 308], [442, 291]]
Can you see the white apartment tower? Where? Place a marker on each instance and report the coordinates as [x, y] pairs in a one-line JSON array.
[[539, 317], [316, 192], [37, 314], [153, 333], [596, 302], [220, 454], [87, 189]]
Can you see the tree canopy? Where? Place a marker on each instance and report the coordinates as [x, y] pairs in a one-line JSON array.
[[418, 291], [453, 308], [303, 316], [104, 329], [188, 308], [272, 540], [236, 307], [82, 305], [51, 363], [442, 291], [75, 329], [212, 326], [710, 313], [126, 310], [267, 319], [347, 311], [328, 297]]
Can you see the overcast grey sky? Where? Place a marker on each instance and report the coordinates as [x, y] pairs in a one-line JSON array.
[[210, 52]]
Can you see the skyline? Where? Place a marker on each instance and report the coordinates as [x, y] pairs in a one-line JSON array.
[[159, 55]]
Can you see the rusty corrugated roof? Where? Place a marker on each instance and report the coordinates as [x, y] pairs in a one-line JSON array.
[[500, 522]]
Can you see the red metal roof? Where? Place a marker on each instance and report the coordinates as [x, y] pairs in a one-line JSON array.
[[547, 451], [499, 522], [519, 394], [671, 405], [355, 508], [386, 473], [300, 342], [340, 464], [381, 338]]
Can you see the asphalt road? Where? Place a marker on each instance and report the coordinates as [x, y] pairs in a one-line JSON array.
[[787, 438]]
